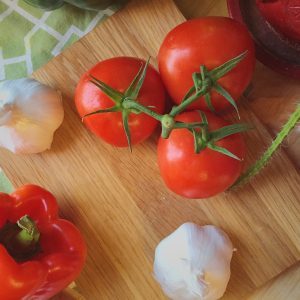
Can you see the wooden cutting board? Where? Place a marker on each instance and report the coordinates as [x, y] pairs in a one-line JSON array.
[[118, 199], [284, 286]]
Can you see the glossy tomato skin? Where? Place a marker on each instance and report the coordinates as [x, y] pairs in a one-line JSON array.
[[209, 41], [283, 16], [118, 73], [200, 175]]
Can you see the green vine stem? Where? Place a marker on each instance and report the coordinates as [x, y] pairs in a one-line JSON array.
[[204, 82], [261, 163], [206, 86]]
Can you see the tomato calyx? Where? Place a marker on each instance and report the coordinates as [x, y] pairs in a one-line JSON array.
[[204, 81], [21, 239], [203, 138], [121, 99]]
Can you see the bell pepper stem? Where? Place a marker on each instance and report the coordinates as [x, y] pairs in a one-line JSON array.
[[21, 239], [29, 234]]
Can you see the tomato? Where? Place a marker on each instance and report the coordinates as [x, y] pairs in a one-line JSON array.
[[283, 15], [118, 73], [209, 41], [201, 175]]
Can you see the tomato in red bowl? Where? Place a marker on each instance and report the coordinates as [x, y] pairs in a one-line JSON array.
[[275, 27]]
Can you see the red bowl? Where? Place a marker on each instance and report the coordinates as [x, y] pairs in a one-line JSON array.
[[272, 48]]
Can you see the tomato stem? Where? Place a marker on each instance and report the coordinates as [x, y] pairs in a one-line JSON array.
[[203, 81], [167, 124], [133, 105], [206, 85]]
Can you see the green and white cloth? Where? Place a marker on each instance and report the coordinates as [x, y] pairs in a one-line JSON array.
[[5, 184], [30, 37]]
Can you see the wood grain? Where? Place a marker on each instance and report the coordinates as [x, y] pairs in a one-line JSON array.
[[70, 293], [285, 286], [196, 8], [118, 199]]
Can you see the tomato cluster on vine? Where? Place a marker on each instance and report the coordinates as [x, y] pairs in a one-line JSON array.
[[204, 66]]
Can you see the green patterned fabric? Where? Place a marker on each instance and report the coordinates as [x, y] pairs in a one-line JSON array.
[[30, 37], [5, 184]]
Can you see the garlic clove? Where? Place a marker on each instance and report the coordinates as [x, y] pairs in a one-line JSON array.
[[194, 263], [30, 112], [25, 139]]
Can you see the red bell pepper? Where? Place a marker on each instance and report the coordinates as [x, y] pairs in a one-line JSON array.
[[40, 254]]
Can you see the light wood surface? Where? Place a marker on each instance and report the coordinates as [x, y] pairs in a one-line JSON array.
[[118, 199], [195, 8], [70, 293], [283, 287]]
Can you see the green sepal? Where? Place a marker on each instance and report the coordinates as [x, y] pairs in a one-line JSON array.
[[125, 114], [207, 96], [200, 136], [203, 138], [222, 70], [136, 85], [208, 102], [210, 78], [222, 150], [134, 82], [193, 125], [219, 89], [229, 130], [203, 117], [203, 72], [115, 95], [204, 132], [101, 111], [197, 145], [197, 82], [191, 91]]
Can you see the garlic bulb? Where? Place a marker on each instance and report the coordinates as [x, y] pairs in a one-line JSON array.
[[194, 263], [30, 112]]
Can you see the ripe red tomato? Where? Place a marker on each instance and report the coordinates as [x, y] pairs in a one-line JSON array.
[[118, 73], [204, 174], [210, 41], [283, 15]]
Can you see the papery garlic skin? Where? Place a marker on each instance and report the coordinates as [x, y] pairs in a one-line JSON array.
[[193, 263], [30, 112]]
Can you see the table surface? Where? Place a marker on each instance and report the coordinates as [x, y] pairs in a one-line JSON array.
[[141, 210], [283, 286]]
